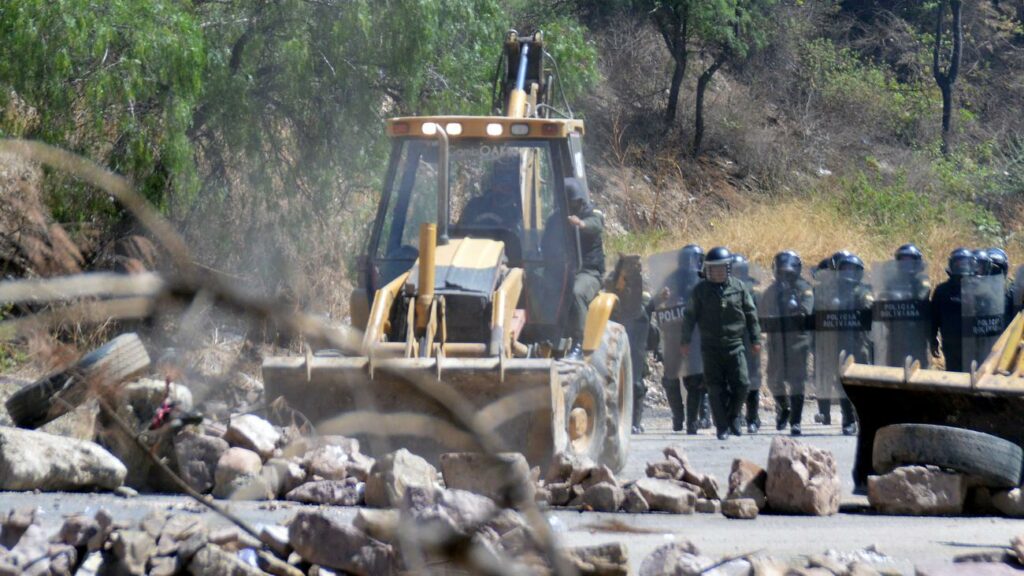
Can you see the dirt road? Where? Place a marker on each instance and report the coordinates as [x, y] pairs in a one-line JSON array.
[[900, 541]]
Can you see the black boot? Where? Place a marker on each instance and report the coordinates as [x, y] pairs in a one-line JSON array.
[[849, 418], [705, 411], [675, 402], [753, 405], [796, 403], [781, 412], [824, 415]]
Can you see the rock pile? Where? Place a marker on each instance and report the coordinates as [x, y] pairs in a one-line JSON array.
[[445, 529]]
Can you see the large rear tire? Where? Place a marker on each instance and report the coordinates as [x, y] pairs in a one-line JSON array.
[[50, 397], [614, 365], [994, 461], [585, 419]]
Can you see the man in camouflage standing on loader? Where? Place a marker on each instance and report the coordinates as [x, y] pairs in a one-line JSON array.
[[589, 225], [722, 308]]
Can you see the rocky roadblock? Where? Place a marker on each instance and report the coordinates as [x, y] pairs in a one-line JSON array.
[[471, 513]]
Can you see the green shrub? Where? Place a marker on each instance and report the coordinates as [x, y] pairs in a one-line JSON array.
[[865, 90]]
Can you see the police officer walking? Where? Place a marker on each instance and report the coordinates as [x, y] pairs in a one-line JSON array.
[[946, 311], [723, 310], [901, 321], [786, 309]]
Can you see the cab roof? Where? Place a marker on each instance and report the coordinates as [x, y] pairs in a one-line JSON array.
[[491, 127]]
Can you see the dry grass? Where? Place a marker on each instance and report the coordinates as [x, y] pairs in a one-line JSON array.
[[812, 227]]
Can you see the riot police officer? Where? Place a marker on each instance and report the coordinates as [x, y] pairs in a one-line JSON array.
[[722, 310], [901, 321], [946, 310], [1001, 267], [741, 269], [681, 373], [842, 324], [785, 311]]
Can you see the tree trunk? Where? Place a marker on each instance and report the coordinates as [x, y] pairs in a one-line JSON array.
[[946, 79], [673, 93], [702, 86]]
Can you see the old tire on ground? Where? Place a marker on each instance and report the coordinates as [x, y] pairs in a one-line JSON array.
[[614, 365], [584, 420], [994, 461], [54, 395]]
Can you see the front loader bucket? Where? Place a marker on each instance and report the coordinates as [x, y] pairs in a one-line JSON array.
[[518, 399], [882, 396]]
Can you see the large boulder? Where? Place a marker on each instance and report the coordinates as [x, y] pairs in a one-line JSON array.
[[251, 432], [238, 476], [502, 478], [330, 542], [32, 460], [801, 479], [747, 480], [666, 496], [197, 456], [392, 474], [918, 491], [445, 513]]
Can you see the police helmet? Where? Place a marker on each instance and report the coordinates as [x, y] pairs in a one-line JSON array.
[[691, 257], [983, 265], [718, 256], [960, 263], [908, 252], [836, 257], [741, 266], [1000, 261], [850, 268], [789, 262], [909, 258]]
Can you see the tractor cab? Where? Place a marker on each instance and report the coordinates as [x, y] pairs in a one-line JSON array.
[[505, 182]]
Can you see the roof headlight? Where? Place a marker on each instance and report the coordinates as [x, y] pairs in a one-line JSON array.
[[429, 128], [519, 129], [495, 129], [453, 128]]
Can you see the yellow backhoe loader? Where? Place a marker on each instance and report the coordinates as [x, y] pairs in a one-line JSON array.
[[467, 279]]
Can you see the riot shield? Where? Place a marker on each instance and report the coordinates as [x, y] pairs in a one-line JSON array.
[[842, 325], [785, 311], [901, 320], [983, 303], [671, 288], [755, 279]]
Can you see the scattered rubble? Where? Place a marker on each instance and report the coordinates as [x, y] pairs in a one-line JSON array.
[[253, 433]]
